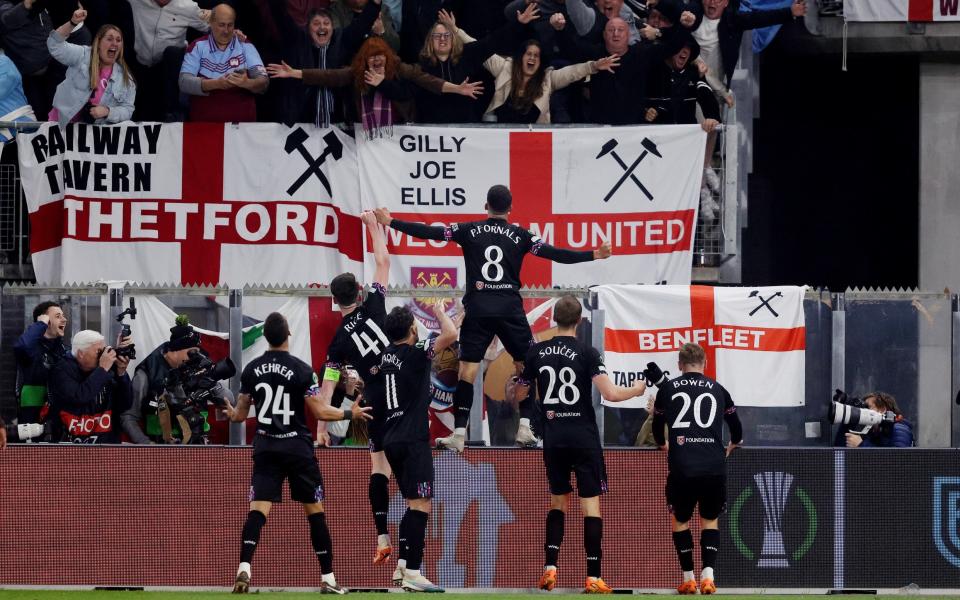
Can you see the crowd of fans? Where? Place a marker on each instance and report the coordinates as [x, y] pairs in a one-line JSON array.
[[375, 62]]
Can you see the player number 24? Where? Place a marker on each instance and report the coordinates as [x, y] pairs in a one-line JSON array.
[[567, 392], [680, 423], [274, 404]]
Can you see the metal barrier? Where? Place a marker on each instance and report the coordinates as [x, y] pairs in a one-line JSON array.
[[905, 343]]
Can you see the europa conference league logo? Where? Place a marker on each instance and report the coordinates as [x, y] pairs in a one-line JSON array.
[[946, 518], [774, 488]]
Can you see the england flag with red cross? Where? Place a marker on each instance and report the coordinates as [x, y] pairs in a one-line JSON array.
[[196, 203], [754, 338], [635, 187]]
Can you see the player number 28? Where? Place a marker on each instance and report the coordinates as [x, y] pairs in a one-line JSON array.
[[274, 404], [568, 385], [697, 404], [492, 270]]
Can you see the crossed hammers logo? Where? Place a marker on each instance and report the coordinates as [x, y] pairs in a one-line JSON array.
[[609, 148], [296, 141], [764, 302]]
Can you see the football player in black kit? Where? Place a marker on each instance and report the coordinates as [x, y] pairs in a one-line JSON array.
[[691, 405], [493, 252], [564, 369], [400, 395], [358, 341], [280, 387]]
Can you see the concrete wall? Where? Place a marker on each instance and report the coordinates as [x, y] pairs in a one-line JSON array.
[[940, 176], [939, 205]]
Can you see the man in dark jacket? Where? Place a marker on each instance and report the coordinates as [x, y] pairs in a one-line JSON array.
[[24, 29], [88, 387], [722, 27], [676, 88], [37, 351], [617, 98], [319, 45]]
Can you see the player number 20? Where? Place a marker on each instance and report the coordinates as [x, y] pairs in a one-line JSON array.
[[274, 404], [492, 270], [567, 392], [680, 423]]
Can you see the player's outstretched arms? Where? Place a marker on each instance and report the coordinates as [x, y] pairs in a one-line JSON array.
[[417, 230], [569, 257], [380, 255], [238, 413], [615, 393]]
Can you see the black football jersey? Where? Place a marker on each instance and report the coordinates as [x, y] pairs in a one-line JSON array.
[[359, 339], [493, 252], [278, 384], [400, 392], [694, 407], [562, 371]]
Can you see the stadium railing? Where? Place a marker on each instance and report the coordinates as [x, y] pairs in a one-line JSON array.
[[906, 343]]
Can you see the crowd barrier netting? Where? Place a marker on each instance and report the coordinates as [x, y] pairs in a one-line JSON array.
[[151, 516]]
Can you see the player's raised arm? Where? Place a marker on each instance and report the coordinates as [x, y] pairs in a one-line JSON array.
[[380, 255], [660, 417], [417, 230], [448, 331], [568, 257]]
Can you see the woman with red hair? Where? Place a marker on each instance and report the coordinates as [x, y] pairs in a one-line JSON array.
[[381, 93]]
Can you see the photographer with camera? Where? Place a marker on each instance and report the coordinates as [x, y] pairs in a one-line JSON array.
[[875, 421], [89, 386], [162, 410]]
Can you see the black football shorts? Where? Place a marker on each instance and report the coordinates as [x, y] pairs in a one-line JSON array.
[[412, 465], [476, 333], [709, 492], [586, 463], [271, 468]]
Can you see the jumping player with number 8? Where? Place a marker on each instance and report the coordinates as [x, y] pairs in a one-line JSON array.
[[694, 407], [564, 371], [280, 387], [493, 252]]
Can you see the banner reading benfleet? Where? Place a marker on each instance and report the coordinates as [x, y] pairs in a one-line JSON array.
[[754, 338], [191, 203], [636, 187]]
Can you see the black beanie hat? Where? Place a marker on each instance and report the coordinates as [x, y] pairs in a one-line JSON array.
[[183, 337], [499, 199]]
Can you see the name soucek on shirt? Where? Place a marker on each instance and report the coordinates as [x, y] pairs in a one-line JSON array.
[[694, 407], [278, 384], [562, 369]]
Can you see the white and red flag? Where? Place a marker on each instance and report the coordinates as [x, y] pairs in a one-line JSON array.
[[754, 338], [902, 10], [636, 187], [196, 203]]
